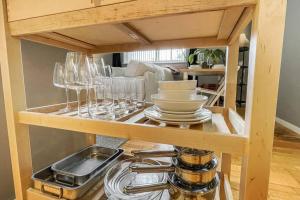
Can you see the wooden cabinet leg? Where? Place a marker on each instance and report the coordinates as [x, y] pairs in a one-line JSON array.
[[230, 92], [15, 100], [263, 79]]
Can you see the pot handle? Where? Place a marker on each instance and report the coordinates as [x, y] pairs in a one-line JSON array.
[[152, 169], [154, 154], [145, 188], [54, 190]]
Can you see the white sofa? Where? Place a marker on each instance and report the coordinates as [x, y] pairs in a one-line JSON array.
[[147, 76]]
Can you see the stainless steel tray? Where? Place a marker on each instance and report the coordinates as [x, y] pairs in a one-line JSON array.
[[79, 167], [45, 181]]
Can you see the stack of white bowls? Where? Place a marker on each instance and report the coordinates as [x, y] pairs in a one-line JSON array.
[[177, 102]]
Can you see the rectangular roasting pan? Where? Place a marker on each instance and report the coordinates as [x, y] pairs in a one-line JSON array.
[[45, 181], [79, 167]]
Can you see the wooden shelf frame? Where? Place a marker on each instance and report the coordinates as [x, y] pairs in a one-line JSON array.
[[215, 134], [97, 192], [255, 135], [43, 29]]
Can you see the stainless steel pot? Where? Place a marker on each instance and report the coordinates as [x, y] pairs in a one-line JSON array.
[[188, 156], [191, 175], [179, 190]]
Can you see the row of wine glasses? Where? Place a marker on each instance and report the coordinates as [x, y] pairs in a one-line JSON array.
[[104, 99]]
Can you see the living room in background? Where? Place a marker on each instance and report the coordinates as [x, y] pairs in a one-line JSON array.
[[157, 56]]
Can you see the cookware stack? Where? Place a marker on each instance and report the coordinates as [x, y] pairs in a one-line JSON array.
[[191, 175], [73, 176]]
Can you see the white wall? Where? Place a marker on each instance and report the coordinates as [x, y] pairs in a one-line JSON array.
[[48, 145], [6, 181], [288, 108]]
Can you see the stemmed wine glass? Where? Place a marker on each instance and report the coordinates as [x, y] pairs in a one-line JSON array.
[[94, 83], [75, 75], [110, 107], [59, 81]]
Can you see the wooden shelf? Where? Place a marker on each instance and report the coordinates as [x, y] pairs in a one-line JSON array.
[[128, 25], [214, 135], [223, 191], [97, 191]]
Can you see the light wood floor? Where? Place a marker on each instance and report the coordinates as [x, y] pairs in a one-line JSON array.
[[284, 181]]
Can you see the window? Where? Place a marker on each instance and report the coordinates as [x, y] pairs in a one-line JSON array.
[[157, 56]]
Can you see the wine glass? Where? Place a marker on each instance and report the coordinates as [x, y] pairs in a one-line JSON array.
[[72, 73], [94, 83], [130, 94], [109, 97], [122, 94], [134, 95], [59, 81]]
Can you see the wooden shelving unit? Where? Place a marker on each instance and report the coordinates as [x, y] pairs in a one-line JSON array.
[[125, 25]]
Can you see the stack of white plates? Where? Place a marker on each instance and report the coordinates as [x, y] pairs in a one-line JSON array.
[[177, 118], [177, 103]]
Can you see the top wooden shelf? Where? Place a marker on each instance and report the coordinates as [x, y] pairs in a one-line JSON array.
[[125, 25]]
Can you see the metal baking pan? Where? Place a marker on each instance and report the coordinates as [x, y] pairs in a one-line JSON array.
[[45, 181], [79, 167]]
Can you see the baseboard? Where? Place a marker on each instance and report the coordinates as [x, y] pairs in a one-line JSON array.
[[288, 125]]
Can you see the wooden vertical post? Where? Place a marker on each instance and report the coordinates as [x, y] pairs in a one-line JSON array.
[[231, 74], [15, 100], [232, 58], [263, 78]]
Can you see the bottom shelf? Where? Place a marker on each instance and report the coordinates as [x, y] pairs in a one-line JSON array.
[[97, 192]]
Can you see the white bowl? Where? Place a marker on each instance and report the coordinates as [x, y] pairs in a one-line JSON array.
[[178, 85], [177, 94], [179, 106]]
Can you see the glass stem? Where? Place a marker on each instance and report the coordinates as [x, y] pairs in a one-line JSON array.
[[79, 102], [67, 97], [112, 93], [96, 97], [88, 100]]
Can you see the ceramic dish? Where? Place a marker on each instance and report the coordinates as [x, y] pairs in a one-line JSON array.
[[179, 106], [195, 114], [182, 124], [177, 94], [162, 111], [151, 112], [177, 85], [196, 98]]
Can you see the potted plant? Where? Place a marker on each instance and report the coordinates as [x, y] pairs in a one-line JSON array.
[[211, 57]]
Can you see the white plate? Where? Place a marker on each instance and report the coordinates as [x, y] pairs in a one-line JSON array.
[[179, 106], [180, 123], [177, 94], [196, 98], [182, 116], [154, 114], [177, 113]]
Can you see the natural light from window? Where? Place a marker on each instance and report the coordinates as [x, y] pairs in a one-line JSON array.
[[157, 56]]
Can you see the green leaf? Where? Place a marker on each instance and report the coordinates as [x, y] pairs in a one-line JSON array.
[[191, 58]]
